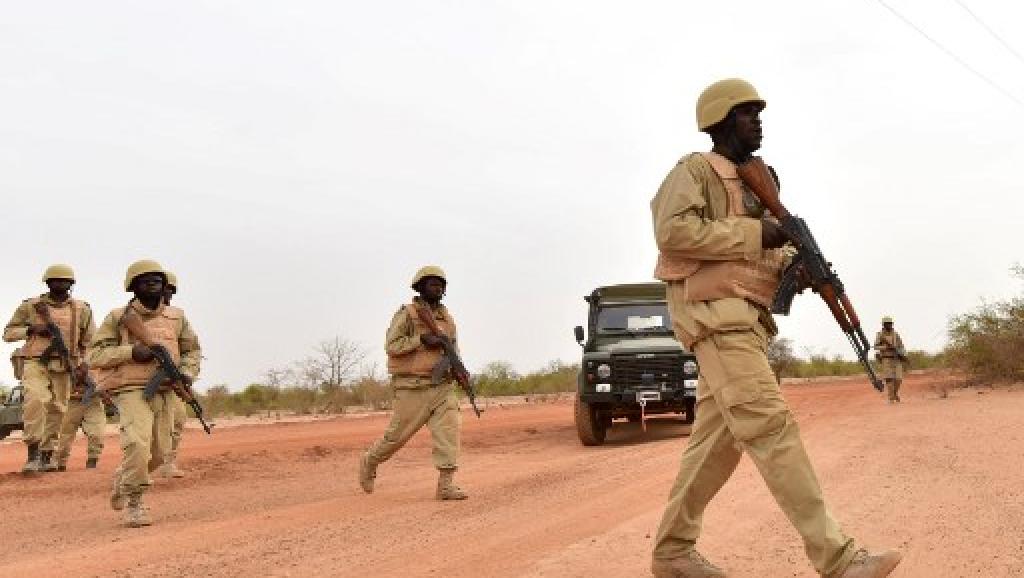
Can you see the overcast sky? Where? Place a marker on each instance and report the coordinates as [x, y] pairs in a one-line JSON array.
[[295, 162]]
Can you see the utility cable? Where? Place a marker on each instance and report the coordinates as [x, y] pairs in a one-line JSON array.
[[953, 55], [990, 31]]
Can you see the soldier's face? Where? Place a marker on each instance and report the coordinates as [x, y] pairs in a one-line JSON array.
[[887, 326], [748, 125], [149, 285], [59, 286], [432, 289]]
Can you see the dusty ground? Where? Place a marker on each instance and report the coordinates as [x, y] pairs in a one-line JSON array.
[[939, 479]]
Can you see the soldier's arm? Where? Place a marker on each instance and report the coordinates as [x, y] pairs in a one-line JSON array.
[[87, 328], [106, 349], [17, 327], [681, 228], [191, 353], [401, 338]]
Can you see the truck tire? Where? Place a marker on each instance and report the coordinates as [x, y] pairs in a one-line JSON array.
[[691, 411], [589, 427], [4, 432]]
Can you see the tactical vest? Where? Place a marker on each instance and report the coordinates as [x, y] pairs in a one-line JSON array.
[[710, 280], [165, 326], [67, 317], [420, 361]]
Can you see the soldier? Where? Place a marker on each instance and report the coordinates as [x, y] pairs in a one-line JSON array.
[[716, 254], [125, 365], [180, 416], [892, 355], [412, 352], [91, 418], [48, 382]]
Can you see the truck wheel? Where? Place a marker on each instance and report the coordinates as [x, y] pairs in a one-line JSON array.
[[589, 427], [691, 411], [4, 432]]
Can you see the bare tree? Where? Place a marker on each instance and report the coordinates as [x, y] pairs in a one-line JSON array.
[[338, 359]]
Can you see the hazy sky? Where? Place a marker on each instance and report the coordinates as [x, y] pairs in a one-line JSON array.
[[295, 162]]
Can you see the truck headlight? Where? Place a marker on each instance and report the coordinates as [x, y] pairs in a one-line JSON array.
[[690, 367], [603, 388], [604, 371]]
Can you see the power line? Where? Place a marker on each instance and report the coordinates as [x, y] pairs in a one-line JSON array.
[[952, 55], [990, 31]]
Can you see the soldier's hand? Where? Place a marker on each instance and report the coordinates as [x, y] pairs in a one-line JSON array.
[[141, 353], [81, 372], [39, 329], [432, 341], [772, 235]]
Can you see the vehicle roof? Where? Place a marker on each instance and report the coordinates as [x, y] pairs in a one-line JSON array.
[[654, 291]]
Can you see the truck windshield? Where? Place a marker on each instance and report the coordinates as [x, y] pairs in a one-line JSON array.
[[640, 318]]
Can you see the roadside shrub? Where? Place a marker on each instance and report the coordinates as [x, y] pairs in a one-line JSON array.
[[987, 343]]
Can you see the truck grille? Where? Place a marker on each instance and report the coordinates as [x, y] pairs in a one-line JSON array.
[[628, 369]]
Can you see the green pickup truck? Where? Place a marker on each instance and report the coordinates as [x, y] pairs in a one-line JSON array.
[[10, 412]]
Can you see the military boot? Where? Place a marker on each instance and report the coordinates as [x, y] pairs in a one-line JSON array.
[[90, 463], [367, 473], [689, 565], [117, 495], [137, 514], [446, 488], [867, 565], [46, 462], [32, 464]]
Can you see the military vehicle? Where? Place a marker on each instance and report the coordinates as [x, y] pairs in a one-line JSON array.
[[10, 412], [632, 366]]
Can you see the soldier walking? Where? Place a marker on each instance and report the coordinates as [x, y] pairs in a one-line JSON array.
[[91, 418], [180, 414], [125, 364], [718, 254], [47, 374], [891, 355], [412, 352]]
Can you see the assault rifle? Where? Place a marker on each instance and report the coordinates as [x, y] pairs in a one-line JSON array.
[[85, 381], [57, 347], [450, 362], [167, 372], [809, 267]]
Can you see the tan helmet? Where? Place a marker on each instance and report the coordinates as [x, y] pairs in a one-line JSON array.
[[141, 268], [172, 279], [428, 271], [58, 271], [718, 99], [887, 319]]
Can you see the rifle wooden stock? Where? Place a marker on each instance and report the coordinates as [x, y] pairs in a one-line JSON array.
[[755, 174], [132, 321]]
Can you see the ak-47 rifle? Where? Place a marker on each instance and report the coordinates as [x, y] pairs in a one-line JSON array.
[[84, 380], [809, 267], [450, 361], [167, 372], [57, 347]]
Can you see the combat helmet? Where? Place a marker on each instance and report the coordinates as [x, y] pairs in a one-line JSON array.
[[717, 100], [887, 319], [428, 271], [59, 271], [172, 279], [141, 268]]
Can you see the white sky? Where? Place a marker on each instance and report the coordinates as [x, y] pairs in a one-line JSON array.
[[296, 162]]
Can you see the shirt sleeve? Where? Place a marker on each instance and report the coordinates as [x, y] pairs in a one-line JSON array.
[[191, 353], [17, 327], [87, 326], [106, 350], [681, 228], [401, 338]]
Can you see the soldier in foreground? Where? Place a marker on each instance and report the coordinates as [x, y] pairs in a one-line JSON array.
[[57, 330], [126, 364], [412, 352], [180, 414], [892, 355], [717, 252]]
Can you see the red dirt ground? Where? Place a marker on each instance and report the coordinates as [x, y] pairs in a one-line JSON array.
[[939, 479]]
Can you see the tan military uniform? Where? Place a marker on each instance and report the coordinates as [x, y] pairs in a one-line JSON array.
[[178, 418], [889, 350], [416, 401], [145, 424], [707, 229], [91, 418], [48, 387]]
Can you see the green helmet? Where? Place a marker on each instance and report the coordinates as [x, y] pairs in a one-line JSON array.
[[718, 99], [58, 271], [141, 268], [172, 279], [428, 271], [887, 319]]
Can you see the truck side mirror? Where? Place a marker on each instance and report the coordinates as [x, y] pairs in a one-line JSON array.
[[579, 334]]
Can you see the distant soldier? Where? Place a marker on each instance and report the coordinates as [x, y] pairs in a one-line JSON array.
[[412, 352], [125, 365], [45, 373], [717, 253], [180, 415], [91, 418], [892, 355]]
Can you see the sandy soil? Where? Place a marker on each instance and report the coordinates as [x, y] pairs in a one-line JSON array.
[[939, 479]]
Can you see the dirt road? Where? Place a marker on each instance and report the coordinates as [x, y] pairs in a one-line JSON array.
[[939, 479]]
